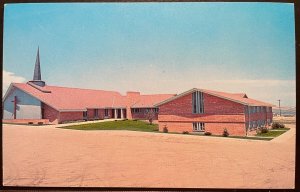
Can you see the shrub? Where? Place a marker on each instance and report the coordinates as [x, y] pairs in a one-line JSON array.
[[30, 123], [207, 133], [165, 129], [277, 125], [225, 133], [185, 132], [264, 130], [40, 123]]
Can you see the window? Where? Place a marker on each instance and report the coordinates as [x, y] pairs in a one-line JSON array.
[[156, 110], [270, 109], [136, 110], [198, 126], [197, 102], [106, 112], [96, 112], [254, 124], [85, 114], [246, 109]]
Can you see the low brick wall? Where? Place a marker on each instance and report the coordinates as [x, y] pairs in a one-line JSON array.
[[236, 129], [26, 121]]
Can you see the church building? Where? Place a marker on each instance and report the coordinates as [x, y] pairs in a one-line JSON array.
[[196, 110]]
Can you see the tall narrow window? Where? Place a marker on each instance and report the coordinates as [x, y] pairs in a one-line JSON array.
[[106, 112], [84, 114], [197, 102], [96, 112]]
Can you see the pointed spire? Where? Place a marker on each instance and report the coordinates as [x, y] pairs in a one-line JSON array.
[[37, 78], [37, 67]]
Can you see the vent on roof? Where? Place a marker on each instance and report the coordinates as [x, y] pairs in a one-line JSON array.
[[42, 89]]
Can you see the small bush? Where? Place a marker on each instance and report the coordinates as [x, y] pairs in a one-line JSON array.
[[40, 123], [207, 133], [185, 132], [277, 125], [225, 133], [264, 130], [30, 123], [165, 129]]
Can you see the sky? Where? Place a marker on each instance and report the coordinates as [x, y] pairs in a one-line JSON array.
[[155, 47]]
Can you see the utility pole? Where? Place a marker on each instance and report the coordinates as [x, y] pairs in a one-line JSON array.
[[279, 107]]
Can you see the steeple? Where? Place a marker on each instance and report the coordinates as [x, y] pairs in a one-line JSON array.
[[37, 78], [37, 67]]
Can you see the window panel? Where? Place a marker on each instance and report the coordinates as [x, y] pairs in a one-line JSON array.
[[197, 102]]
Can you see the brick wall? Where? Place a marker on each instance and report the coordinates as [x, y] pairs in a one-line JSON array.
[[218, 114], [215, 110], [259, 116], [50, 113], [237, 129], [142, 115], [176, 126], [70, 116], [91, 114]]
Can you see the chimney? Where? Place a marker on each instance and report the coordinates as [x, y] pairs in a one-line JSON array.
[[132, 94]]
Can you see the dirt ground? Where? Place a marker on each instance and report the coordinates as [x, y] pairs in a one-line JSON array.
[[49, 156]]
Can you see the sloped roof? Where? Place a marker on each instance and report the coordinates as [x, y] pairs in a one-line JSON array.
[[235, 97], [64, 98], [150, 100], [77, 99]]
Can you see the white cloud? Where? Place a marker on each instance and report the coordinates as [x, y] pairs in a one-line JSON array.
[[8, 78]]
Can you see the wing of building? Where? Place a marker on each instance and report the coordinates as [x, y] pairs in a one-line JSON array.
[[196, 110]]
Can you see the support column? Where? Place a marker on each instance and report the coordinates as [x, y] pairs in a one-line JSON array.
[[116, 115], [122, 115]]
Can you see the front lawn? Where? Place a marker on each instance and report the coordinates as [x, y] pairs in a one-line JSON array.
[[131, 125], [272, 133]]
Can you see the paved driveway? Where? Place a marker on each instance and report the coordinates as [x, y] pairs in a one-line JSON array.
[[49, 156]]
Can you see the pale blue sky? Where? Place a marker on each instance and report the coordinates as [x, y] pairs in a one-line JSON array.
[[156, 47]]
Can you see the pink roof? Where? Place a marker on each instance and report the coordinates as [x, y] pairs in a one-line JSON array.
[[239, 97], [64, 98], [235, 97], [150, 100]]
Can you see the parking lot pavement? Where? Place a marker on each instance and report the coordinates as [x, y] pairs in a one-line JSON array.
[[49, 156]]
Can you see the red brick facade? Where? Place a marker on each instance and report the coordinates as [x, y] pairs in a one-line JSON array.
[[70, 116], [143, 114], [50, 113], [195, 110], [219, 113]]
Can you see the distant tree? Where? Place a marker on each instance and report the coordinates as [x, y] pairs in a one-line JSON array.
[[150, 114]]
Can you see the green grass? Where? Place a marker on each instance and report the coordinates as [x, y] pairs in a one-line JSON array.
[[271, 133], [282, 129], [237, 137], [129, 125]]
